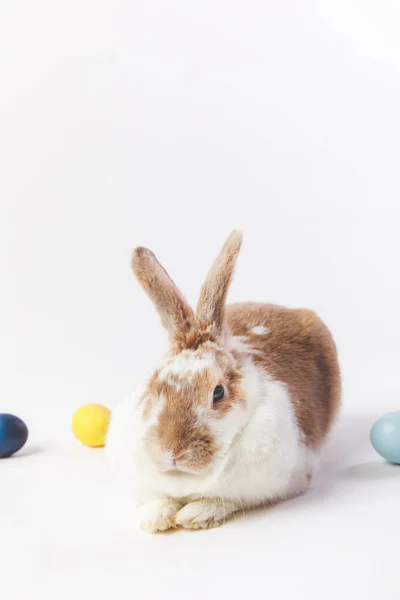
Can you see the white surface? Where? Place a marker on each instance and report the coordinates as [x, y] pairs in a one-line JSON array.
[[167, 124], [65, 535]]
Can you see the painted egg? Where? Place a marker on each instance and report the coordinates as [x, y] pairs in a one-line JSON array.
[[13, 434], [90, 424], [385, 436]]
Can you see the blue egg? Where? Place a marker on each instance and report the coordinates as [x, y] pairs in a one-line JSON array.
[[385, 437], [13, 434]]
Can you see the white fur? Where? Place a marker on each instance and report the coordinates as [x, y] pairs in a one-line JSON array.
[[239, 343], [268, 460], [159, 515], [185, 365], [262, 456], [260, 330], [200, 513]]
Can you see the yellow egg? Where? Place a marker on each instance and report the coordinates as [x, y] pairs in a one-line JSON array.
[[90, 424]]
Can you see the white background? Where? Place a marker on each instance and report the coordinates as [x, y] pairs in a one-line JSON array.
[[166, 124]]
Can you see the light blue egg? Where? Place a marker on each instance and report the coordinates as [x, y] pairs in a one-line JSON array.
[[385, 436]]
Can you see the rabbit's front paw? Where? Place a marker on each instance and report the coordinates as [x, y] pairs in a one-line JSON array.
[[204, 514], [159, 515]]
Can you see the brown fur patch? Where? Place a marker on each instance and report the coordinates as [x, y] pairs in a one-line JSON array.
[[148, 406], [299, 352]]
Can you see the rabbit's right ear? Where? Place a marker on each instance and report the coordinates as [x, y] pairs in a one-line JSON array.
[[176, 315]]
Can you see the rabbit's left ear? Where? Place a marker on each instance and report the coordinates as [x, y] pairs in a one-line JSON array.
[[211, 305]]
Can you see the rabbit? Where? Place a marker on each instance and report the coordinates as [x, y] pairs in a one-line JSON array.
[[234, 415]]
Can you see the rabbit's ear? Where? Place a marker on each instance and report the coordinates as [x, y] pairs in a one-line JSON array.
[[211, 305], [176, 315]]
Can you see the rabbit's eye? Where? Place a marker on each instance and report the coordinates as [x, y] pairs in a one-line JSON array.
[[218, 393]]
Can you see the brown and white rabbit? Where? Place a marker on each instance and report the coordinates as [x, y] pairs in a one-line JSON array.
[[235, 414]]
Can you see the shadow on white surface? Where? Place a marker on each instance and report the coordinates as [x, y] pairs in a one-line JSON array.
[[346, 458], [347, 449], [28, 451], [348, 454], [379, 469], [349, 439]]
